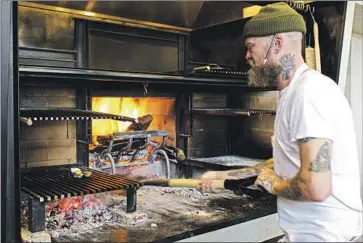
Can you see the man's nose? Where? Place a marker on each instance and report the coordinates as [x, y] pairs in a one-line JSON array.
[[248, 55]]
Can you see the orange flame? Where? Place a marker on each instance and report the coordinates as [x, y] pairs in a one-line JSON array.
[[160, 108]]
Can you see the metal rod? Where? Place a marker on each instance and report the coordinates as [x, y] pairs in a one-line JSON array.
[[27, 121]]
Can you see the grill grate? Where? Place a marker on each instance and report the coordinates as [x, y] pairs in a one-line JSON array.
[[48, 184]]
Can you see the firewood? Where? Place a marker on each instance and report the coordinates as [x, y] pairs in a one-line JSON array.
[[141, 125]]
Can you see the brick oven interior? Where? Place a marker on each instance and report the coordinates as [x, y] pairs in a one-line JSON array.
[[70, 61], [55, 143]]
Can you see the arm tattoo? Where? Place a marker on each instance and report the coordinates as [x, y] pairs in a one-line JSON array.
[[295, 190], [322, 161], [288, 66], [305, 140]]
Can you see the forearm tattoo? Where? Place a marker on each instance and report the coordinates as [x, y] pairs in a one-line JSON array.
[[295, 190], [322, 161], [288, 65]]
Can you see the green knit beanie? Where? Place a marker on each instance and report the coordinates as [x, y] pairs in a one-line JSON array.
[[272, 19]]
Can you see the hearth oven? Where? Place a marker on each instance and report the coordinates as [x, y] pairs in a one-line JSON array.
[[107, 101]]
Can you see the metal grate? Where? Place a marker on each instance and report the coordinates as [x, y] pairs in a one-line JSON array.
[[48, 184]]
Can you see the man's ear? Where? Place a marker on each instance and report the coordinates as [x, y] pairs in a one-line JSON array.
[[279, 42]]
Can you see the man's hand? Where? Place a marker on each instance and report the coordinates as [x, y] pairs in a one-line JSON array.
[[211, 181], [214, 175], [268, 179], [210, 186]]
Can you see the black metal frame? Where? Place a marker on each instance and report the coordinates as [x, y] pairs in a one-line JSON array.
[[10, 180], [82, 127]]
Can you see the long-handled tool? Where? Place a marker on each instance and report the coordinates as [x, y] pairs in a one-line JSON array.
[[239, 187], [312, 54]]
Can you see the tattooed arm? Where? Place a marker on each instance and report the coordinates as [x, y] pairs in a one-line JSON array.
[[313, 182]]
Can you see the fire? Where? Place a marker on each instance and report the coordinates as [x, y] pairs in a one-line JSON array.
[[159, 108], [130, 107]]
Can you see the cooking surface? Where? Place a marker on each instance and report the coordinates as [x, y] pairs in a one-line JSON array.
[[52, 183], [174, 214]]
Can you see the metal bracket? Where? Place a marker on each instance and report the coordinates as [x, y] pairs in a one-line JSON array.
[[130, 136]]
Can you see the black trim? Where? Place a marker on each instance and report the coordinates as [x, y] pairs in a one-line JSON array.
[[81, 43], [341, 38], [81, 127], [10, 173]]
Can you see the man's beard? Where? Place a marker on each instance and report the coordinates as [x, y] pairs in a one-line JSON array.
[[265, 76]]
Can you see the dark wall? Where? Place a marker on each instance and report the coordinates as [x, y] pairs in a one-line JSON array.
[[221, 44]]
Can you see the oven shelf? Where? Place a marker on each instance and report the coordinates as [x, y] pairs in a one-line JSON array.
[[230, 112], [54, 114], [208, 78]]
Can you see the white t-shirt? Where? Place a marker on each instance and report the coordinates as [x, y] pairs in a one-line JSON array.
[[314, 106]]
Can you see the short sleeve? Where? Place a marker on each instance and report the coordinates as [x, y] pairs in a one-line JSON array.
[[312, 116]]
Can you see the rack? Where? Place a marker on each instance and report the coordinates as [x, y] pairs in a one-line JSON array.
[[27, 115], [301, 6], [230, 112]]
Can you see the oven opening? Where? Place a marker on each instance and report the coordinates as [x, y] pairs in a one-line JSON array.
[[141, 144]]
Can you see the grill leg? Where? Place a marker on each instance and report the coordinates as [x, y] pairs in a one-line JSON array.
[[131, 200], [36, 215]]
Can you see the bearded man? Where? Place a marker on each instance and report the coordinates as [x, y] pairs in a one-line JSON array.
[[315, 167]]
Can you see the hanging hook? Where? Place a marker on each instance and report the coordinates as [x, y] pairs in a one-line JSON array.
[[145, 87], [301, 6], [307, 8], [311, 12]]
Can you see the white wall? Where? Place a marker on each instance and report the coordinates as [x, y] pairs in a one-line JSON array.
[[356, 87], [352, 83]]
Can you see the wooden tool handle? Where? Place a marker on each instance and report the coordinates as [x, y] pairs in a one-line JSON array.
[[317, 47], [192, 183]]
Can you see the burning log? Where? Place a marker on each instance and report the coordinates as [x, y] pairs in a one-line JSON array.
[[141, 125]]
